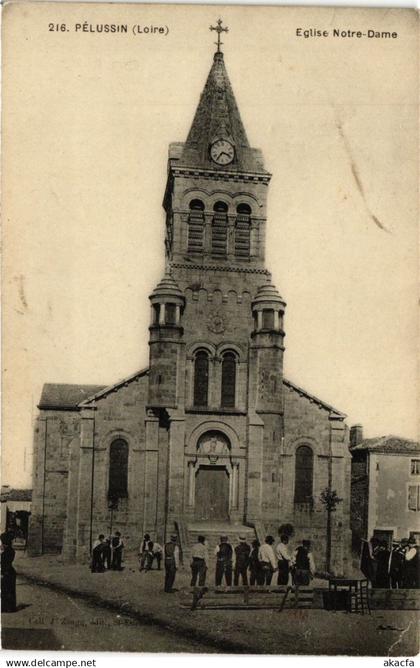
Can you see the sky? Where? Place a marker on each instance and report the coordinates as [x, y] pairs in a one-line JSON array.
[[88, 119]]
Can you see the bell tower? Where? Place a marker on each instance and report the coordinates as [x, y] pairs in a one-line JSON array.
[[216, 338]]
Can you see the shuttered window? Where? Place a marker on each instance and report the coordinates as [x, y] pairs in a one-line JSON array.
[[242, 231], [414, 497], [219, 230], [201, 378], [118, 469], [304, 471], [196, 227], [228, 380]]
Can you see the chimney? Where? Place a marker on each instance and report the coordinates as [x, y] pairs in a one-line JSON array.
[[356, 435]]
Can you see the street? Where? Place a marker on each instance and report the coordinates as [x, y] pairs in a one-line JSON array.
[[51, 620]]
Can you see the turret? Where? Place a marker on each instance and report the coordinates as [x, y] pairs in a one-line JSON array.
[[267, 349], [165, 341]]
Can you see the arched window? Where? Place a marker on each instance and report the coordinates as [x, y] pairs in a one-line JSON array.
[[118, 469], [228, 380], [201, 378], [219, 229], [304, 473], [196, 226], [243, 230]]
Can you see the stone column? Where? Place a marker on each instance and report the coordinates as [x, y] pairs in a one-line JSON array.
[[235, 485], [86, 484], [151, 473], [162, 314], [276, 321], [176, 469], [191, 484], [259, 320]]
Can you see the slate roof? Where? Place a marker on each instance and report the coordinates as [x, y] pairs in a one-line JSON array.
[[64, 396], [217, 116], [391, 444]]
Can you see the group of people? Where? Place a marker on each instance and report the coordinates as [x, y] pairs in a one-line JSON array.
[[396, 567], [8, 573], [107, 553], [258, 561], [148, 553], [253, 564]]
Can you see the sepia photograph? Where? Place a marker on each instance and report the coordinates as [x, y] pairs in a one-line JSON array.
[[210, 287]]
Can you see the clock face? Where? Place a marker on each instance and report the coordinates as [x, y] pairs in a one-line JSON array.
[[222, 152]]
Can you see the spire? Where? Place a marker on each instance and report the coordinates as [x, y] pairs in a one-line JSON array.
[[217, 113]]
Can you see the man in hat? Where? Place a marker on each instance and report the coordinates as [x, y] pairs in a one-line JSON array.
[[268, 560], [171, 563], [242, 552], [396, 568], [304, 564], [199, 560], [224, 553], [411, 565], [117, 545]]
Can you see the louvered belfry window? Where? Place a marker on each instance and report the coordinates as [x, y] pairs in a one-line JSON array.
[[201, 379], [118, 469], [304, 473], [228, 380], [219, 230], [243, 231], [196, 227]]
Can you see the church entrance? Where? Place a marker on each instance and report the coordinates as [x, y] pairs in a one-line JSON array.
[[212, 493]]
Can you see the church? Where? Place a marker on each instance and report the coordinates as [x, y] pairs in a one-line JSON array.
[[210, 437]]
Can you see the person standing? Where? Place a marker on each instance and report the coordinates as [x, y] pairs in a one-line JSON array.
[[242, 552], [199, 560], [255, 570], [8, 573], [268, 560], [411, 565], [397, 564], [224, 554], [284, 560], [304, 564], [97, 563], [382, 555], [171, 563], [117, 545], [157, 554], [143, 551], [107, 553]]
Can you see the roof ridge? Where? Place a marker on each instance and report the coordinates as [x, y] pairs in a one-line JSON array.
[[111, 388], [314, 398]]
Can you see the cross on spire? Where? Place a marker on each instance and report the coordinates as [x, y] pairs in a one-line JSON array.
[[219, 30]]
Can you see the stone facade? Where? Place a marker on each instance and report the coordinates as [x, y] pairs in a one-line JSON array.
[[214, 432], [385, 488]]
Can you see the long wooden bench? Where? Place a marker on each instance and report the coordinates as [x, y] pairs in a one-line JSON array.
[[265, 597]]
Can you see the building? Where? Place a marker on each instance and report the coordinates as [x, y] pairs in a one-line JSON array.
[[385, 487], [211, 435]]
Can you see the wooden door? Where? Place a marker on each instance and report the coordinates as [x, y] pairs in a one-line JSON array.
[[212, 493]]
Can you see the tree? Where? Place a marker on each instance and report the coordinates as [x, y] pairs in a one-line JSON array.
[[330, 500]]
